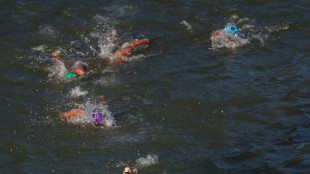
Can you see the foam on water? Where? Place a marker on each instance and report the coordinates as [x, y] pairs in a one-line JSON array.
[[146, 162], [89, 108], [57, 70], [40, 48], [228, 41], [106, 42], [77, 92]]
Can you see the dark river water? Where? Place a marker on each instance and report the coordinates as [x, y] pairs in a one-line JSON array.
[[184, 104]]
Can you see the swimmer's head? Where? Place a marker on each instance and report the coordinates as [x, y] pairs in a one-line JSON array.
[[232, 30], [80, 69], [70, 74], [98, 116]]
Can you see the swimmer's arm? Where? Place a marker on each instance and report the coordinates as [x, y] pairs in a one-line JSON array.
[[214, 34], [131, 46], [136, 43], [72, 113]]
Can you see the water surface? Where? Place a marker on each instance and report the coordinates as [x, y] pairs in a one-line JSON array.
[[179, 106]]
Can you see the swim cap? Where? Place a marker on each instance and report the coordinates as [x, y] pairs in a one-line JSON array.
[[232, 30], [98, 117], [70, 74]]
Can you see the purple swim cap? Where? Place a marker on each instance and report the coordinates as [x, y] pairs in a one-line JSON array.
[[98, 117]]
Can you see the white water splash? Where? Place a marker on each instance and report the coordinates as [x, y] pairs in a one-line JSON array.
[[58, 69], [77, 92], [40, 48], [226, 40], [148, 161], [106, 43]]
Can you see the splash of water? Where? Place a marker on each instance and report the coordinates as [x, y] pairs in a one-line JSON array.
[[57, 70], [77, 92], [106, 42], [40, 48], [148, 161], [226, 40]]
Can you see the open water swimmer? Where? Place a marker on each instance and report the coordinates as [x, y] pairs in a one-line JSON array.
[[74, 68], [98, 118], [228, 37], [79, 68]]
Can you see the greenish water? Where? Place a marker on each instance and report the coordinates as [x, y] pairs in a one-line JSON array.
[[182, 105]]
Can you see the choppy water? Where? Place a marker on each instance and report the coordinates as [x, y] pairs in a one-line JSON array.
[[185, 104]]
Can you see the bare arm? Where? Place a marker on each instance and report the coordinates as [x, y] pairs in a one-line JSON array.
[[72, 113]]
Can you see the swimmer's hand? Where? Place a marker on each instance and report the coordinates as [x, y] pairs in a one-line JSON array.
[[73, 113], [56, 54]]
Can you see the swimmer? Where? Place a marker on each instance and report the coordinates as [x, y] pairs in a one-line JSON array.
[[129, 170], [230, 30], [98, 117], [74, 68], [228, 37], [129, 48]]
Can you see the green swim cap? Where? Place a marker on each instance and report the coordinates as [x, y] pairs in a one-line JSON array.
[[70, 74]]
